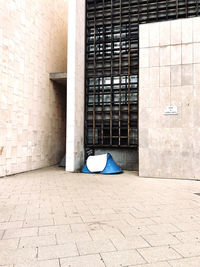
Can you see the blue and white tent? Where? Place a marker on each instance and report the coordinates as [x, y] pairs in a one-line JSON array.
[[103, 164]]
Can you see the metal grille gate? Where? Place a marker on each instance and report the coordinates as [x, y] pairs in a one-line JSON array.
[[112, 65]]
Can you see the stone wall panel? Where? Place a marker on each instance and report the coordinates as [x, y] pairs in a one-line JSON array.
[[171, 147], [33, 43]]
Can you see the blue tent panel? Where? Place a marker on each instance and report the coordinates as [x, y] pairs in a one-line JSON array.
[[111, 166], [62, 163], [85, 169]]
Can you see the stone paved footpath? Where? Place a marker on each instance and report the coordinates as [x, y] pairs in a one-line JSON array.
[[50, 218]]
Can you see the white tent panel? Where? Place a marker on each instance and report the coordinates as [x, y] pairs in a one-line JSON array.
[[96, 163]]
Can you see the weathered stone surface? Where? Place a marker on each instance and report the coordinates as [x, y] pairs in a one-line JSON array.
[[169, 144], [33, 43]]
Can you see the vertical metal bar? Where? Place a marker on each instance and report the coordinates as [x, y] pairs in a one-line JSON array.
[[167, 9], [103, 76], [94, 90], [111, 87], [129, 74], [120, 69], [157, 2], [186, 8], [176, 8], [86, 86]]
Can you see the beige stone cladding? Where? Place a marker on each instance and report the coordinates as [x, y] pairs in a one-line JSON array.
[[169, 145], [76, 86], [33, 43]]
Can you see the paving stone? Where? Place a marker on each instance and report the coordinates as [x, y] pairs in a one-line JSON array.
[[136, 230], [17, 256], [188, 236], [129, 243], [5, 217], [67, 220], [57, 251], [21, 232], [37, 241], [83, 261], [9, 244], [94, 247], [105, 235], [155, 254], [1, 234], [140, 222], [95, 218], [39, 222], [63, 238], [189, 262], [163, 228], [188, 250], [102, 211], [11, 225], [48, 263], [158, 264], [161, 239], [188, 226], [58, 229], [81, 227], [122, 258]]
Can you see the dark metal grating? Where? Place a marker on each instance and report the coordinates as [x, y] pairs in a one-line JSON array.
[[112, 65]]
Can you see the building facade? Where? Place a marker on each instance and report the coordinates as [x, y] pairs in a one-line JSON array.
[[132, 84], [134, 53]]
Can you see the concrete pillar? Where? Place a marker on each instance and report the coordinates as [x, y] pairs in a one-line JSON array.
[[75, 85]]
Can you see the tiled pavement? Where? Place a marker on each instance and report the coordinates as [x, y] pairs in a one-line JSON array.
[[49, 218]]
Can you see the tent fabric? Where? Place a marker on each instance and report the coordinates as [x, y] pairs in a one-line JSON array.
[[62, 163], [96, 163], [110, 167]]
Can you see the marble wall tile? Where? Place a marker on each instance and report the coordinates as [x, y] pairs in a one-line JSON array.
[[187, 29], [196, 29], [165, 33], [196, 74], [144, 57], [187, 74], [144, 36], [154, 76], [187, 54], [165, 56], [176, 54], [165, 95], [144, 138], [176, 93], [176, 32], [154, 35], [175, 75], [164, 76], [144, 77], [154, 56], [196, 52]]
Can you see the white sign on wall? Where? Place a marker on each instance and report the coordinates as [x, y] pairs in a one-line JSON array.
[[171, 110]]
